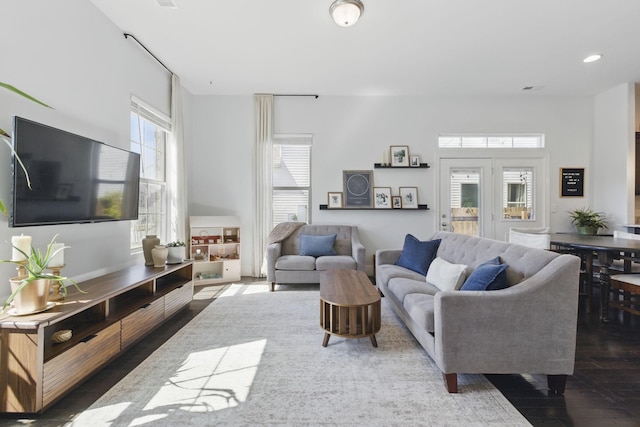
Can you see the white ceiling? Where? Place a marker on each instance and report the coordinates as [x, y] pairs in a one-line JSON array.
[[399, 47]]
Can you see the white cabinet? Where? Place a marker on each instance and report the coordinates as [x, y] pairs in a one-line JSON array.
[[214, 246]]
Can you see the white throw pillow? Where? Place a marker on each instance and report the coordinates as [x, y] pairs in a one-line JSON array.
[[446, 276]]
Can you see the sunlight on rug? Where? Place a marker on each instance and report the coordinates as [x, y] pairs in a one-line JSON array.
[[254, 357]]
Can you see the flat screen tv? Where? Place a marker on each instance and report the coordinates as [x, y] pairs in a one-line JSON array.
[[73, 179]]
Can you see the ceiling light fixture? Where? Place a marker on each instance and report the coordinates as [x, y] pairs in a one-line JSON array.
[[592, 58], [346, 12]]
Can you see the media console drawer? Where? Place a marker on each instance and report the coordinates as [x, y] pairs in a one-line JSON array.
[[75, 364], [177, 299], [142, 321]]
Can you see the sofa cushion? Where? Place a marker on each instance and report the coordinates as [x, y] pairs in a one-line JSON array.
[[420, 309], [417, 255], [317, 245], [445, 275], [336, 262], [296, 262], [401, 287], [489, 276], [386, 272]]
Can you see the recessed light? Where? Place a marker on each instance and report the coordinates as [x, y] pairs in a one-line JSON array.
[[592, 58]]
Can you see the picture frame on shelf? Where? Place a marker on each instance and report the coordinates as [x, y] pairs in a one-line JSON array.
[[415, 161], [382, 197], [399, 156], [335, 200], [358, 186], [409, 197], [396, 202]]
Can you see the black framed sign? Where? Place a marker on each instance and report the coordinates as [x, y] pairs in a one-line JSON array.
[[357, 188], [571, 182]]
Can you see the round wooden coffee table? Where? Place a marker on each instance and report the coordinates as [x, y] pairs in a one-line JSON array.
[[349, 305]]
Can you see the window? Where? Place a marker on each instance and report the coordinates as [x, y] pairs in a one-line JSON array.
[[517, 193], [291, 175], [491, 141], [149, 135]]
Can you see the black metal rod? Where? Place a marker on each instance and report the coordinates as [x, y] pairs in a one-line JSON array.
[[314, 95], [126, 35]]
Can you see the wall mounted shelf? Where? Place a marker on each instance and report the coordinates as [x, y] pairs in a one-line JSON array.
[[420, 208], [381, 166]]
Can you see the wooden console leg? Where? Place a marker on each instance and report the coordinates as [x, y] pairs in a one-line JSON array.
[[325, 341], [556, 383], [373, 340], [273, 286], [451, 382]]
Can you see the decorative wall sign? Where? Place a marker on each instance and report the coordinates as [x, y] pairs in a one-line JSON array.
[[571, 182], [357, 188]]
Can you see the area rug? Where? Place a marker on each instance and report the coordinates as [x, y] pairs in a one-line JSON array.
[[255, 357]]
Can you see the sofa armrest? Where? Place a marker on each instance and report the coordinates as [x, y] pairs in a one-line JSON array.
[[387, 256], [529, 327], [357, 249], [272, 254]]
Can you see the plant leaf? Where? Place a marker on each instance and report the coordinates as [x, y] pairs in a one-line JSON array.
[[3, 133], [3, 209], [21, 93]]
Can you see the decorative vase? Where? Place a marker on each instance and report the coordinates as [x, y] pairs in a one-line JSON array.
[[148, 243], [176, 255], [33, 297], [159, 254]]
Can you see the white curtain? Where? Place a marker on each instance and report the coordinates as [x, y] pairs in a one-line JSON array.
[[262, 167], [176, 178]]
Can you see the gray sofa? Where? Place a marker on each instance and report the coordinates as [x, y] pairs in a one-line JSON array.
[[286, 265], [529, 327]]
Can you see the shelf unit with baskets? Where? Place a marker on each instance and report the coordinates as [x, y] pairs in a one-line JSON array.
[[214, 246]]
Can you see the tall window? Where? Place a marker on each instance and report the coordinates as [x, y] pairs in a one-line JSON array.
[[291, 174], [149, 135]]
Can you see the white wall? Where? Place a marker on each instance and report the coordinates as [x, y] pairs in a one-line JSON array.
[[352, 132], [72, 57], [613, 149]]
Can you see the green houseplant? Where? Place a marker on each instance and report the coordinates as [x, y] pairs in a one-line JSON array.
[[7, 138], [176, 252], [587, 221], [30, 291]]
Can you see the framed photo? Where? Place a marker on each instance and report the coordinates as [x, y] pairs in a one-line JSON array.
[[409, 197], [399, 155], [382, 197], [334, 200], [571, 182], [415, 161], [357, 188], [396, 202]]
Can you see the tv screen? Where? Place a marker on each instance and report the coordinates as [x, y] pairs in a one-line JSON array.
[[73, 179]]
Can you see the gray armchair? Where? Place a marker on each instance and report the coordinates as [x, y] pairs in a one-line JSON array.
[[286, 265]]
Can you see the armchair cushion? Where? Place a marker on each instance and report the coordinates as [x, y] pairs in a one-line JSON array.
[[317, 245], [417, 255]]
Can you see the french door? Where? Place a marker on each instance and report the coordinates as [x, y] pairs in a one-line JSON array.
[[485, 197]]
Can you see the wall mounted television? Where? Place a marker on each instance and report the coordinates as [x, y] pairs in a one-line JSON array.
[[73, 179]]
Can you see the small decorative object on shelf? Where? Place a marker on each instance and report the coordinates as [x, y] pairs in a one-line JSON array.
[[148, 243], [382, 197], [399, 155], [61, 336], [409, 197], [335, 200], [415, 161], [159, 254], [396, 202]]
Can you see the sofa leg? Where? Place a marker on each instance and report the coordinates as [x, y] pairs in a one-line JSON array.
[[451, 382], [273, 286], [556, 383]]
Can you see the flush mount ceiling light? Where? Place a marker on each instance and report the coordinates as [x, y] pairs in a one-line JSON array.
[[346, 12], [592, 58]]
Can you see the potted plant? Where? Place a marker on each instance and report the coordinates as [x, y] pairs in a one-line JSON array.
[[588, 221], [5, 136], [30, 292], [176, 252]]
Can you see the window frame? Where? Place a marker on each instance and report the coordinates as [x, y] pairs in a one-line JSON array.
[[294, 139]]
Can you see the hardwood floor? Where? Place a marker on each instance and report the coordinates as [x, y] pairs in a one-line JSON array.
[[604, 390]]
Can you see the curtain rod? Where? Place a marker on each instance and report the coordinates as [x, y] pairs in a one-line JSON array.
[[314, 95], [126, 35]]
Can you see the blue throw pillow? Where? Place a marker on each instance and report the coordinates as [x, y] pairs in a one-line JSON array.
[[417, 255], [489, 276], [317, 245]]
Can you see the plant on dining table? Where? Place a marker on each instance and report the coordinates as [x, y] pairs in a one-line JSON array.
[[588, 221]]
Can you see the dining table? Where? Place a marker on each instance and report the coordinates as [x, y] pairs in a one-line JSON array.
[[606, 248]]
